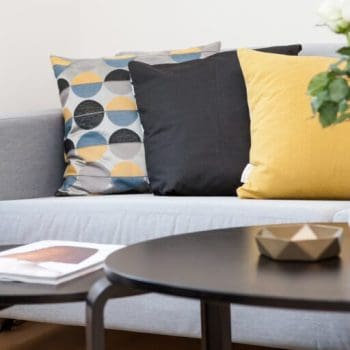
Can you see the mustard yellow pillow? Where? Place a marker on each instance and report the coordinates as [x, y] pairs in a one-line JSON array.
[[291, 155]]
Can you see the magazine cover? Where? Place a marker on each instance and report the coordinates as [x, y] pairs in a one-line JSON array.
[[52, 262]]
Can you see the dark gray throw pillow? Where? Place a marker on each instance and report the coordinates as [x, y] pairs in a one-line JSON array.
[[196, 123]]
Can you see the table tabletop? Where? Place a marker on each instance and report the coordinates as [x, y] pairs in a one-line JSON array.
[[225, 265]]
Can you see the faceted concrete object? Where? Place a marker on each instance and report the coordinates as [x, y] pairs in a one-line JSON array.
[[300, 242]]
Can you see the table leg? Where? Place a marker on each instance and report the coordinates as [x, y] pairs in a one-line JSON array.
[[96, 300], [216, 325]]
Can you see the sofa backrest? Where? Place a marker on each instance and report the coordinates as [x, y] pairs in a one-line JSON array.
[[321, 49], [31, 147]]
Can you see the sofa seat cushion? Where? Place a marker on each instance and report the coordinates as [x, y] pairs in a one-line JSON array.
[[126, 219], [160, 314]]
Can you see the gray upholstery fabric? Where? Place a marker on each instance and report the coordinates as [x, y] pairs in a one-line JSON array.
[[321, 49], [160, 314], [127, 219], [31, 154]]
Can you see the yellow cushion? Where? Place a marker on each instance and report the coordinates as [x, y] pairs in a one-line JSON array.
[[292, 156]]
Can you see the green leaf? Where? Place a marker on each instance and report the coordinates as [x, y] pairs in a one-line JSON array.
[[323, 95], [318, 100], [316, 104], [338, 89], [342, 118], [339, 62], [318, 83], [343, 106], [344, 51], [328, 113], [336, 71]]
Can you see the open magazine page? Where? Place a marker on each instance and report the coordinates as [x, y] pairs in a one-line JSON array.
[[52, 262]]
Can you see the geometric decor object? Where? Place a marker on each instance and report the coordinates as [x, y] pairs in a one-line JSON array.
[[299, 242]]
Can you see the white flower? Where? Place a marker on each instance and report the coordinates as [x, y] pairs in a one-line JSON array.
[[345, 10], [336, 14], [330, 10]]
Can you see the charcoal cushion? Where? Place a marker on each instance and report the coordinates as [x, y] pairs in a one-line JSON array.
[[196, 123]]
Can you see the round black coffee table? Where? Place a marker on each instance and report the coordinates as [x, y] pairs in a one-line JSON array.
[[222, 267]]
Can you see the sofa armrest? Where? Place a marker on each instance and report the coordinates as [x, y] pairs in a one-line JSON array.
[[31, 154]]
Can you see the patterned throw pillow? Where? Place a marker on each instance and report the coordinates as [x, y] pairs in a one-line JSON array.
[[103, 135]]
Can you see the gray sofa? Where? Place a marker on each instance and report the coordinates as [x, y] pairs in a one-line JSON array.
[[31, 168]]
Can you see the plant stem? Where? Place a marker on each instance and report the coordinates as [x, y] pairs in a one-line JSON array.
[[347, 35]]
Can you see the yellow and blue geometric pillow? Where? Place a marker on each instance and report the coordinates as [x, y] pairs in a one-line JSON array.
[[103, 135]]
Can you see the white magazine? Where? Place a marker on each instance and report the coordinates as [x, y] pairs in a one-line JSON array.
[[53, 262]]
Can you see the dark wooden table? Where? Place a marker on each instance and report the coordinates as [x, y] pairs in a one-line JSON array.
[[14, 293], [218, 268]]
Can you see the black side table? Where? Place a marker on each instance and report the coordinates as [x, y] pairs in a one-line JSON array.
[[218, 268], [16, 293]]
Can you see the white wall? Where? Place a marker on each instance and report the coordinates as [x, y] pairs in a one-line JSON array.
[[32, 29], [29, 31], [156, 24]]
